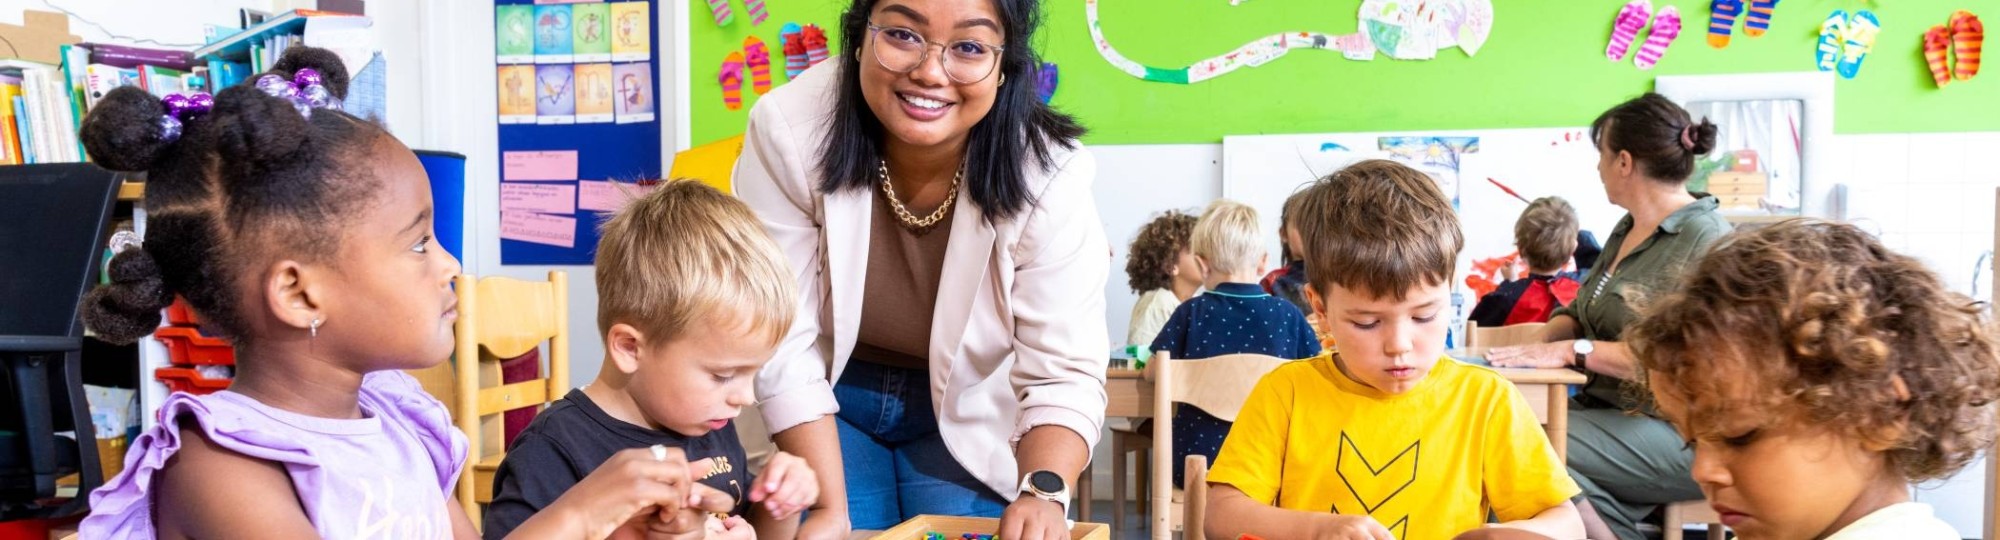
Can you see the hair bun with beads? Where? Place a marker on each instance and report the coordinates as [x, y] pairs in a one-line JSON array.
[[129, 307], [124, 132]]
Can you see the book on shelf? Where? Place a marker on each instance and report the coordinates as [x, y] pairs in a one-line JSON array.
[[44, 112], [133, 57]]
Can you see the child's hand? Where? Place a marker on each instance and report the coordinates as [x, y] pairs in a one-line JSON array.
[[787, 486], [631, 484], [734, 528], [691, 521], [1342, 527]]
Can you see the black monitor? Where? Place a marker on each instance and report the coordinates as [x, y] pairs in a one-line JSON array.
[[54, 223]]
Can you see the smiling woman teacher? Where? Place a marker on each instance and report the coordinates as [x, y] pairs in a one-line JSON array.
[[950, 350]]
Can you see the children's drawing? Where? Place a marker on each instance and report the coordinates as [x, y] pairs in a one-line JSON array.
[[1438, 156], [1401, 29]]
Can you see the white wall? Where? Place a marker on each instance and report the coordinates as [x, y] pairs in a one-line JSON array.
[[1931, 196], [178, 23]]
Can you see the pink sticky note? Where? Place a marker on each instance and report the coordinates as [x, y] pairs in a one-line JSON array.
[[542, 198], [608, 196], [538, 228], [539, 165]]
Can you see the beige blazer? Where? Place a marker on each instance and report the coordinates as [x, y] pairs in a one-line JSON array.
[[1018, 339]]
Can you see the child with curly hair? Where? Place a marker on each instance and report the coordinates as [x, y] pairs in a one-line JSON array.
[[1161, 269], [1817, 375]]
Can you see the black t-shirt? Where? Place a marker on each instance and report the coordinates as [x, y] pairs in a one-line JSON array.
[[573, 436]]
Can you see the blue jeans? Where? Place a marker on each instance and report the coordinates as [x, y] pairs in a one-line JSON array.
[[896, 462]]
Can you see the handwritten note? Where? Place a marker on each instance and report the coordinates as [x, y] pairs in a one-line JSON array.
[[542, 198], [538, 228], [539, 165], [608, 196]]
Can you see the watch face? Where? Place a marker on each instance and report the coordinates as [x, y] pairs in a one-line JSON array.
[[1045, 481]]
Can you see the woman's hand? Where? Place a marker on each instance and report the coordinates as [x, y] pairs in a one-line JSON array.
[[1539, 355], [826, 524], [787, 486], [1031, 518]]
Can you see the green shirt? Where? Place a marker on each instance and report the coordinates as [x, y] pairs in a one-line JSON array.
[[1605, 306]]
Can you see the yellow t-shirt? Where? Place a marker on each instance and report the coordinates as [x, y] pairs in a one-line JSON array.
[[1428, 463]]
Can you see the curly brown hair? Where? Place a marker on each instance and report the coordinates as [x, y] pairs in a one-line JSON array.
[[1816, 322], [1156, 250]]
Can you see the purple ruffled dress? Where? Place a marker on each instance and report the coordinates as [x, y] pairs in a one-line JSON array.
[[388, 474]]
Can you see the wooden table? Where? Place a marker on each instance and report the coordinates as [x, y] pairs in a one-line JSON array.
[[1547, 390]]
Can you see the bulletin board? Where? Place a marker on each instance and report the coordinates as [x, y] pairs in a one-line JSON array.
[[578, 121], [1543, 66]]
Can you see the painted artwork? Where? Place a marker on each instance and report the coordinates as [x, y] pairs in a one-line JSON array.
[[1438, 156], [593, 93], [517, 94], [591, 39], [631, 32], [554, 40], [634, 101], [514, 34], [555, 94], [1400, 29]]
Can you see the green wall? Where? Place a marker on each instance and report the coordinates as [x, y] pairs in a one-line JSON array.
[[1544, 66]]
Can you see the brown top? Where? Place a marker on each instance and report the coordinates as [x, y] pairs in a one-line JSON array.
[[901, 291]]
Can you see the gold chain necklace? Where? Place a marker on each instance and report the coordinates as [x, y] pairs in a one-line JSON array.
[[911, 221]]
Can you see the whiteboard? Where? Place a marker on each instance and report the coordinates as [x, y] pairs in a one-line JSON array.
[[1263, 170]]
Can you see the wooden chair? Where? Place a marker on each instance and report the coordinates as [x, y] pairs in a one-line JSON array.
[[1127, 439], [1218, 386], [1685, 512], [503, 318], [1479, 339]]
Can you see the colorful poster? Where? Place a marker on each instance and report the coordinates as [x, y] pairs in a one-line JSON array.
[[592, 42], [635, 100], [517, 94], [631, 32], [593, 94], [555, 95], [554, 40], [514, 34]]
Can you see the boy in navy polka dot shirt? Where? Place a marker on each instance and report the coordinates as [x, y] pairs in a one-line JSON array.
[[1233, 316]]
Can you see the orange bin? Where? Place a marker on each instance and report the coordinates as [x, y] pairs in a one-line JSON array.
[[180, 379], [188, 347]]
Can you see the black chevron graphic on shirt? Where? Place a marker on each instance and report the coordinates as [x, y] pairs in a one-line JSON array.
[[1399, 471]]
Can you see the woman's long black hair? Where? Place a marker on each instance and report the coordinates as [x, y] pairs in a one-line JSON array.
[[998, 151]]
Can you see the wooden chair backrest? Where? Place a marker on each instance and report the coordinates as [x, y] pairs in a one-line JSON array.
[[1218, 386], [500, 317], [1479, 339]]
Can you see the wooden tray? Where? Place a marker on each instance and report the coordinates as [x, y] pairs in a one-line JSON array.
[[952, 527]]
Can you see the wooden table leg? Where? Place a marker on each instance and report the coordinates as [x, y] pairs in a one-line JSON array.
[[1559, 420]]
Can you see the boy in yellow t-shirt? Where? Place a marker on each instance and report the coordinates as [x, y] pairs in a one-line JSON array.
[[1384, 438]]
